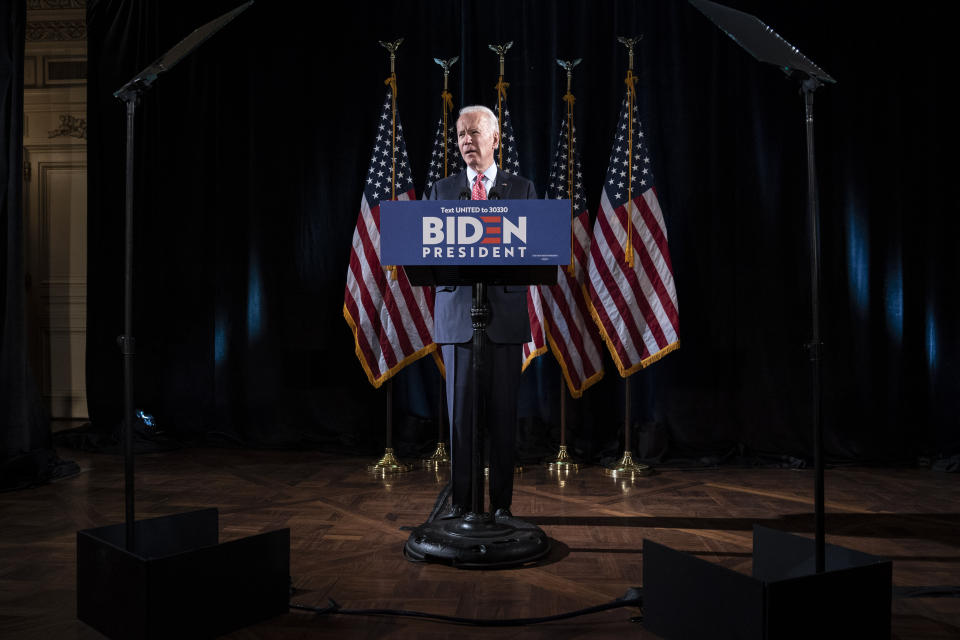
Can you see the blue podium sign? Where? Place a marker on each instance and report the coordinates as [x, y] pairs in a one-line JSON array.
[[476, 232]]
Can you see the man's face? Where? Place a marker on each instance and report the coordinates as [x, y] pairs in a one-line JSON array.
[[476, 140]]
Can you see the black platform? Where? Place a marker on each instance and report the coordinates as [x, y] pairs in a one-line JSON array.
[[686, 597], [180, 582]]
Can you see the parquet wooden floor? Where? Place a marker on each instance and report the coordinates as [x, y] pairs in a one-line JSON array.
[[346, 538]]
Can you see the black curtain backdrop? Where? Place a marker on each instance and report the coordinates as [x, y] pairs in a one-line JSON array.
[[250, 161], [26, 447]]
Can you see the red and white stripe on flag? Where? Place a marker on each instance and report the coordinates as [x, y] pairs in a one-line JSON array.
[[569, 329], [392, 320], [508, 159], [538, 339], [635, 308], [571, 332]]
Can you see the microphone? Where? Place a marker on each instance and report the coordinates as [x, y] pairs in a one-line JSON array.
[[493, 195], [464, 195]]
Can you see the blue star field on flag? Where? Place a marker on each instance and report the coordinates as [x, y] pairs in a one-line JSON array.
[[511, 159], [437, 170], [620, 159], [378, 184]]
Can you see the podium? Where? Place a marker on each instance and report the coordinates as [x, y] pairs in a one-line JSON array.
[[475, 539]]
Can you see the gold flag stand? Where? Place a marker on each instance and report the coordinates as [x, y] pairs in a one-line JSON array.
[[440, 458], [563, 462], [626, 467], [388, 463]]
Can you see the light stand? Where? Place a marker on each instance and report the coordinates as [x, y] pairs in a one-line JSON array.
[[798, 587], [159, 578], [130, 94], [764, 44], [809, 84]]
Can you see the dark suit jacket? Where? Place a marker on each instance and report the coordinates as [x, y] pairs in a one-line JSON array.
[[509, 322]]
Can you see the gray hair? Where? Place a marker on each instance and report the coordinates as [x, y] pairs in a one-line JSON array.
[[488, 114]]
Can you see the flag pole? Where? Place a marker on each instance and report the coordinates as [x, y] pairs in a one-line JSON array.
[[440, 457], [563, 462], [625, 467], [392, 83], [446, 100], [569, 99], [501, 87], [631, 82], [388, 463]]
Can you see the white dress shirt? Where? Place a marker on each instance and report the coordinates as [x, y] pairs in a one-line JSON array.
[[489, 177]]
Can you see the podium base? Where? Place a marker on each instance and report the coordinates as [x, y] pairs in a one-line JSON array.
[[179, 580], [477, 541]]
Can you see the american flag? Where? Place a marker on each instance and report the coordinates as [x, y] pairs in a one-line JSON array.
[[507, 156], [441, 167], [634, 307], [508, 159], [538, 340], [392, 320], [571, 332]]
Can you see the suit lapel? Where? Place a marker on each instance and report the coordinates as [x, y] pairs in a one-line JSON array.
[[503, 185], [464, 183]]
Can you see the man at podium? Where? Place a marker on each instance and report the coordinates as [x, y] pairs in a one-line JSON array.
[[509, 326]]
